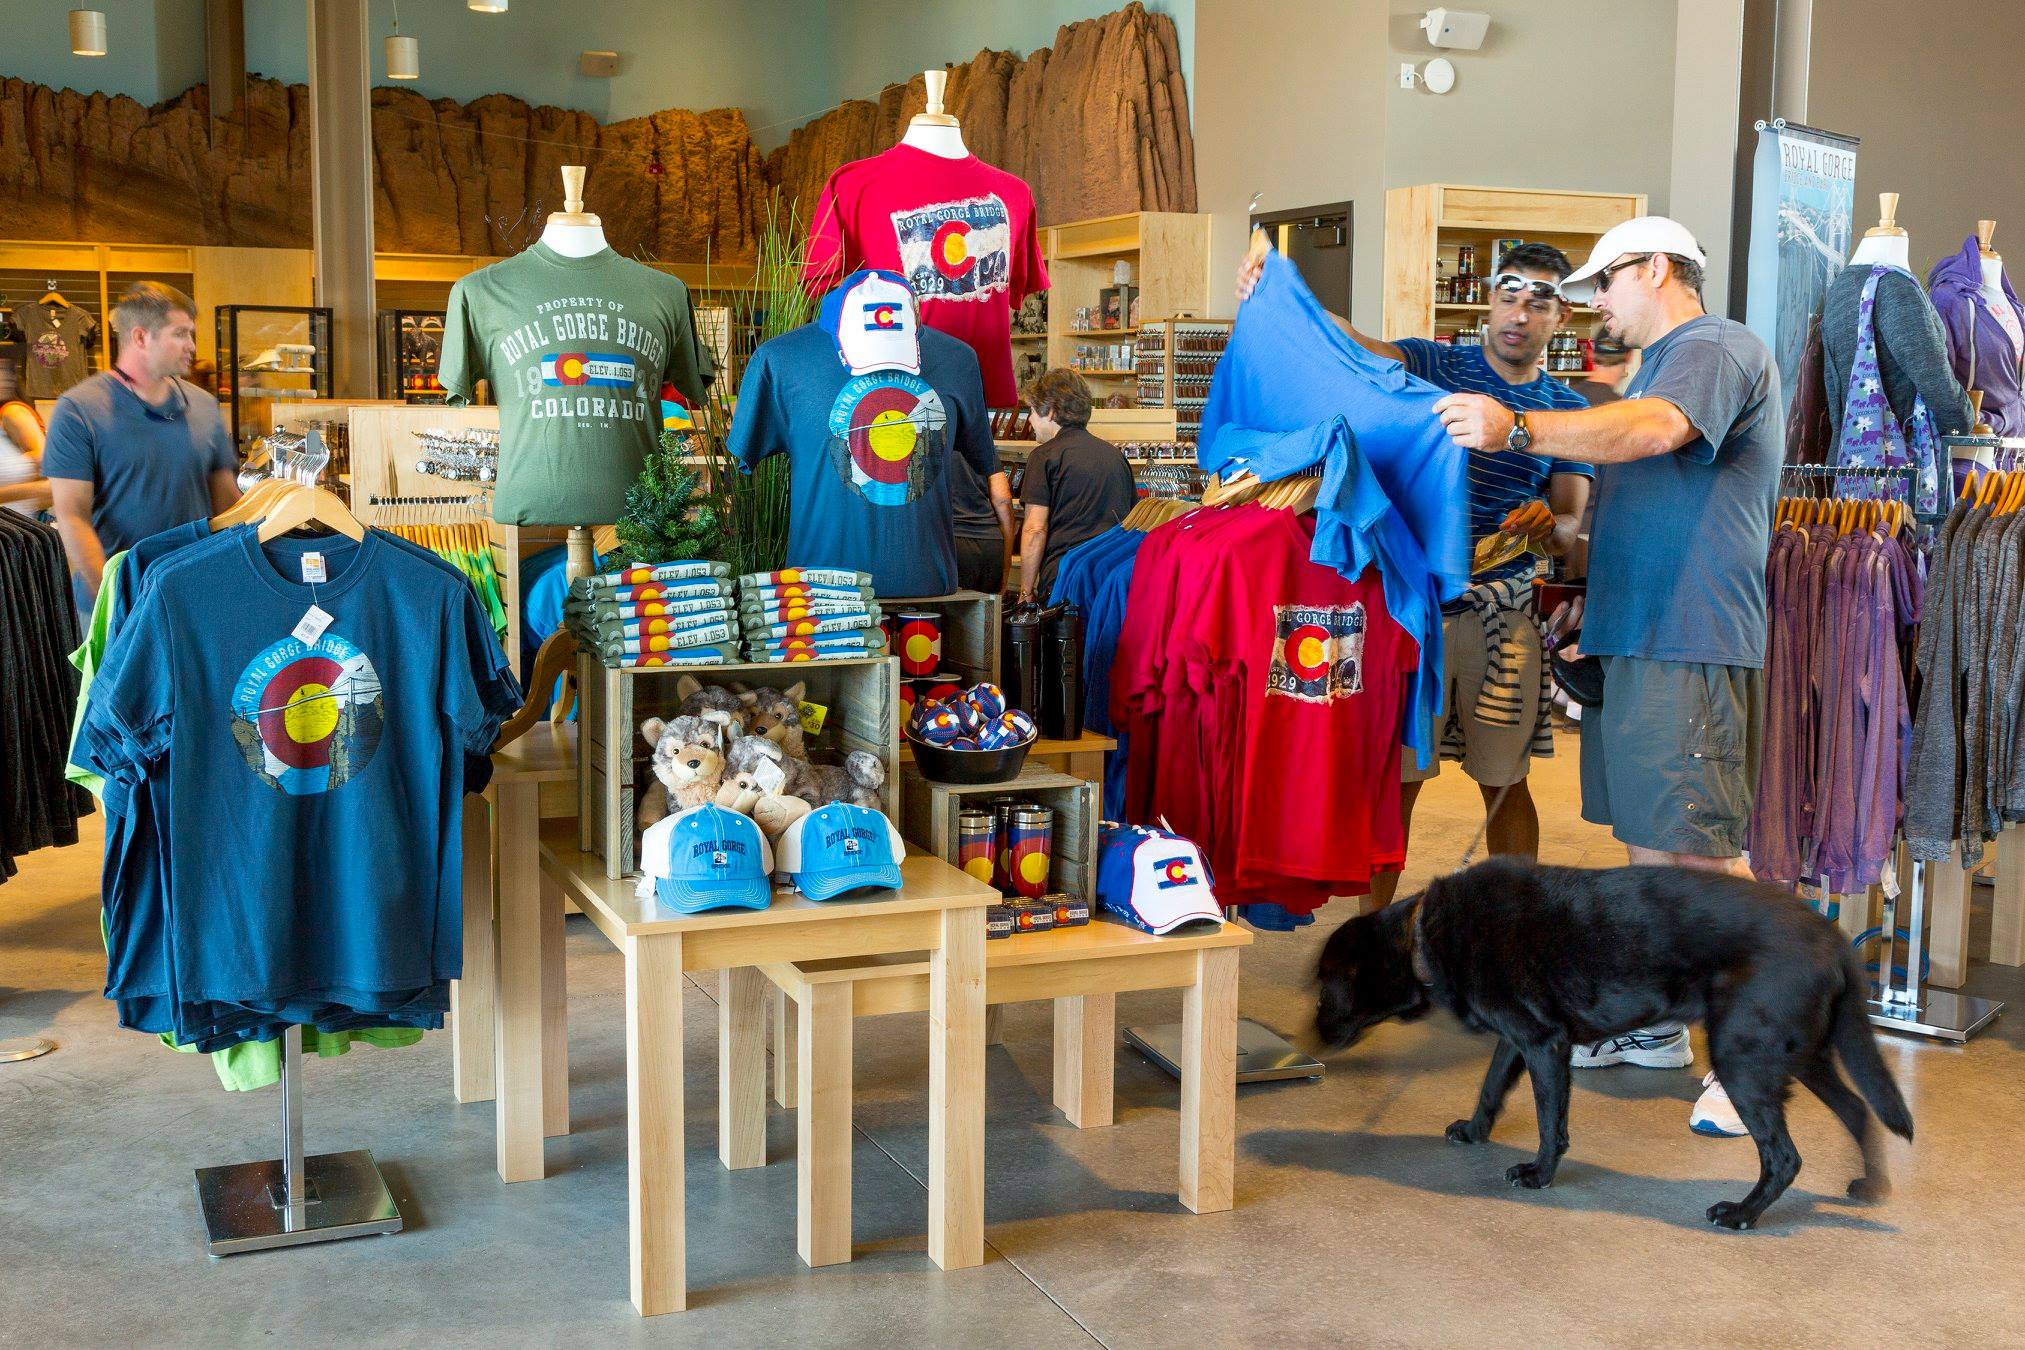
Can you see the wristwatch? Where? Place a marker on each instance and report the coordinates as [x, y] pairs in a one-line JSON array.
[[1521, 435]]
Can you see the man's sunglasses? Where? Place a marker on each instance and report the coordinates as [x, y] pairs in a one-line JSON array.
[[1603, 277], [1511, 285]]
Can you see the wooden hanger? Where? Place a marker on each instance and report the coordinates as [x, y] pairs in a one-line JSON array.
[[254, 504], [311, 505], [55, 297]]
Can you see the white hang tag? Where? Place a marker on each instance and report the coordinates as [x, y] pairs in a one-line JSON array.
[[1888, 883], [313, 569], [314, 621], [770, 777]]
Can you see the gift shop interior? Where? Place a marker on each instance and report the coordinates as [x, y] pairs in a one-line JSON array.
[[1005, 652]]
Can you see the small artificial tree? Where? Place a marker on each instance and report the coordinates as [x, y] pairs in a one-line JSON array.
[[671, 515]]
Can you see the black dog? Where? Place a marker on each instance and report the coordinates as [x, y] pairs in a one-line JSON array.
[[1553, 957]]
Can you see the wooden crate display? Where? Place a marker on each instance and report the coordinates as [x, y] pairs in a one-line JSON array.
[[970, 631], [930, 810], [862, 697]]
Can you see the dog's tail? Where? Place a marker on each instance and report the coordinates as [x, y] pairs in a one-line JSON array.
[[1856, 1046]]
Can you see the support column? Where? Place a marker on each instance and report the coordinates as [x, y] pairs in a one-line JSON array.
[[341, 149], [225, 56]]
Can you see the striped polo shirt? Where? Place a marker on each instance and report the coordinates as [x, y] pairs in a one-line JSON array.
[[1501, 479]]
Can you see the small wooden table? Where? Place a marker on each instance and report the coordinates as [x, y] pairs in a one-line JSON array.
[[1083, 970], [509, 1026], [937, 909]]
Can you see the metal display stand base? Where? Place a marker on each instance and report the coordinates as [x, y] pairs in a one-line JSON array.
[[293, 1200], [246, 1207], [18, 1048], [1911, 1007], [1263, 1055]]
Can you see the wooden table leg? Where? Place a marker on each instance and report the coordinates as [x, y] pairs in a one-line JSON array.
[[741, 1067], [473, 998], [654, 1123], [1085, 1037], [555, 1014], [518, 1052], [994, 1024], [823, 1127], [956, 1092], [1209, 1081], [2007, 899], [1948, 922], [784, 1049]]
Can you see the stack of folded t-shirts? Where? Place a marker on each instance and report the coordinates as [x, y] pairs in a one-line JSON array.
[[668, 614], [809, 614]]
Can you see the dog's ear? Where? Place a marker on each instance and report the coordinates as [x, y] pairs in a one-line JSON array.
[[651, 730], [687, 687], [795, 692]]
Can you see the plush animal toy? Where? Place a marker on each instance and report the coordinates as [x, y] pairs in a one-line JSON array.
[[777, 715], [699, 698], [858, 781], [756, 791], [688, 763]]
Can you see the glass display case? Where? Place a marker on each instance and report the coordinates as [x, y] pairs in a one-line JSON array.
[[271, 353], [411, 345]]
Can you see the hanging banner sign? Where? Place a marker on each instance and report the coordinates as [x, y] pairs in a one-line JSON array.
[[1803, 210]]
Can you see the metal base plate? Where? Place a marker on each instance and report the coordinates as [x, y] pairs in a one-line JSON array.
[[349, 1199], [18, 1048], [1263, 1055], [1940, 1014]]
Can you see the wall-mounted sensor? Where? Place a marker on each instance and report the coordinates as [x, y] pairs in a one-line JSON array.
[[1459, 28]]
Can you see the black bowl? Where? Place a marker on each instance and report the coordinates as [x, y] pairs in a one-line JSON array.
[[967, 768]]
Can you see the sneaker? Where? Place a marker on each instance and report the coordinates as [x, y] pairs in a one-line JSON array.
[[1714, 1115], [1648, 1049]]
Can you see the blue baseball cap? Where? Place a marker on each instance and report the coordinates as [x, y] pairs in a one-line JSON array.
[[1153, 880], [841, 847], [872, 319], [707, 857]]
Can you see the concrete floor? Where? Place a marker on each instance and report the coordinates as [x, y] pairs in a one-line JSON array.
[[1355, 1223]]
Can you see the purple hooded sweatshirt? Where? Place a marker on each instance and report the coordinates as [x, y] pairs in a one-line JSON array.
[[1978, 347]]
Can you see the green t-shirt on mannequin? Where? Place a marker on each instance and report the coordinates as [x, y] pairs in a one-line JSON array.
[[576, 350]]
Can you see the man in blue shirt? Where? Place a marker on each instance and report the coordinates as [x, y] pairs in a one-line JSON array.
[[137, 449], [1494, 665], [1676, 607]]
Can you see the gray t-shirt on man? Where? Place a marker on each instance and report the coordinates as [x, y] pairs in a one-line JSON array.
[[1677, 555], [149, 466]]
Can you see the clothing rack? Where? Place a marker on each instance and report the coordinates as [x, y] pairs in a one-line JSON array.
[[294, 1200]]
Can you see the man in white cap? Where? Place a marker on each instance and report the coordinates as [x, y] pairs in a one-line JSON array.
[[1687, 473]]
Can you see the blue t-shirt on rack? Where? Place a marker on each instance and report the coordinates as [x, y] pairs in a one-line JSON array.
[[869, 453], [309, 780]]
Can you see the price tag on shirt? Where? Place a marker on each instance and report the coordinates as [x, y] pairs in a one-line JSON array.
[[312, 625], [313, 571]]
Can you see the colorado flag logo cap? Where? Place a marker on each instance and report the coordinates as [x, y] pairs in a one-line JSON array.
[[707, 857], [872, 319], [838, 848], [1153, 880]]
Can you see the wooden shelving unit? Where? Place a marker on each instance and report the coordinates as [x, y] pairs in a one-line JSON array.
[[1169, 253], [1427, 224]]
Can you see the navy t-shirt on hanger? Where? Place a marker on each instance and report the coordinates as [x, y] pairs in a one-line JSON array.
[[870, 453]]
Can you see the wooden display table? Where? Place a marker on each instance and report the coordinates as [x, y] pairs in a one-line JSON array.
[[509, 1028], [937, 909], [1083, 970]]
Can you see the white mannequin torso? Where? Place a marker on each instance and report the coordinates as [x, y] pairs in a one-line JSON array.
[[1999, 304], [1890, 250], [573, 241], [936, 140]]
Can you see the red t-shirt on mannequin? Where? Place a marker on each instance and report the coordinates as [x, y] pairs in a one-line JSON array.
[[959, 230]]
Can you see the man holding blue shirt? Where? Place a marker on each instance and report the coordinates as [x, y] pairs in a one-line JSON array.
[[137, 449], [1676, 608], [1496, 686]]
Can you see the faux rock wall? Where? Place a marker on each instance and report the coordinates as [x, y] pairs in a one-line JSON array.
[[1098, 124]]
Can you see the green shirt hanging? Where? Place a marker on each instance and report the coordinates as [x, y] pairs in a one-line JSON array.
[[577, 351]]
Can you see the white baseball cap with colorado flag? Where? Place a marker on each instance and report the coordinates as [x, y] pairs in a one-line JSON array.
[[872, 319]]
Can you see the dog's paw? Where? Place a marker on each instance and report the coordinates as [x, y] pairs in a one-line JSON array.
[[1730, 1214], [1530, 1176], [1869, 1190], [1467, 1132]]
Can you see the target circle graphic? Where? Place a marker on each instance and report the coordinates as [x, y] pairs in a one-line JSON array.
[[888, 426], [308, 718]]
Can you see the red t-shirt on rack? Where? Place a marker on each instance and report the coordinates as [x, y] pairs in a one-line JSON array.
[[959, 230]]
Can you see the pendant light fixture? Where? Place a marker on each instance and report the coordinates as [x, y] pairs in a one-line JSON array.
[[87, 32], [487, 6], [404, 54]]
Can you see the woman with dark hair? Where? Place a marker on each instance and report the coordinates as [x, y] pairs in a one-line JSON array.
[[1076, 486]]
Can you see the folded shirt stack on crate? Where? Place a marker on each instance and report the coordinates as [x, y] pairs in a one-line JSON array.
[[809, 614], [663, 614]]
